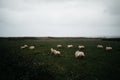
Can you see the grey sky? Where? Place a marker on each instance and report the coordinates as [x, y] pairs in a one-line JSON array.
[[89, 18]]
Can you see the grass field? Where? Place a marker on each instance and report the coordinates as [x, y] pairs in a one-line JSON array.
[[40, 64]]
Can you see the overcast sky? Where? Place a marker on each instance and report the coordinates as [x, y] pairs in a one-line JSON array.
[[76, 18]]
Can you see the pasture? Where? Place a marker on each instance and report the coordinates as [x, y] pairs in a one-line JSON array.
[[40, 64]]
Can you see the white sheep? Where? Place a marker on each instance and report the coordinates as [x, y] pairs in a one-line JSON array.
[[22, 47], [56, 52], [79, 54], [99, 46], [59, 45], [108, 48], [52, 50], [32, 47], [25, 45], [81, 46], [69, 46]]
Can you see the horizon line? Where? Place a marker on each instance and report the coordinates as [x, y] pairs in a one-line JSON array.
[[60, 36]]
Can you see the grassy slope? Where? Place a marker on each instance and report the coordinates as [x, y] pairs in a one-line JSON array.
[[40, 64]]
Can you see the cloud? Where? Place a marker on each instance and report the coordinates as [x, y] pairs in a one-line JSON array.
[[58, 17], [54, 12], [113, 7]]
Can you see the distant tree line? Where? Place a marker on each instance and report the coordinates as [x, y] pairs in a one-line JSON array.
[[111, 39], [37, 38]]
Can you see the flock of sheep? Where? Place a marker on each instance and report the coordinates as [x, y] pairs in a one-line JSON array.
[[107, 47], [26, 46], [78, 54]]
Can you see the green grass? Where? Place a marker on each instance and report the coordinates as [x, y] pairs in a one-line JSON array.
[[40, 64]]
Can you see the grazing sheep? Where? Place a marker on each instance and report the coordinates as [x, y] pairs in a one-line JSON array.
[[108, 48], [32, 47], [59, 46], [69, 46], [25, 45], [22, 47], [81, 46], [79, 54], [52, 50], [99, 46], [55, 51]]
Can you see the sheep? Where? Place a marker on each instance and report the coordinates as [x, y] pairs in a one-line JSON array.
[[69, 46], [108, 48], [81, 46], [55, 52], [25, 45], [59, 45], [52, 50], [79, 54], [22, 47], [32, 47], [99, 46]]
